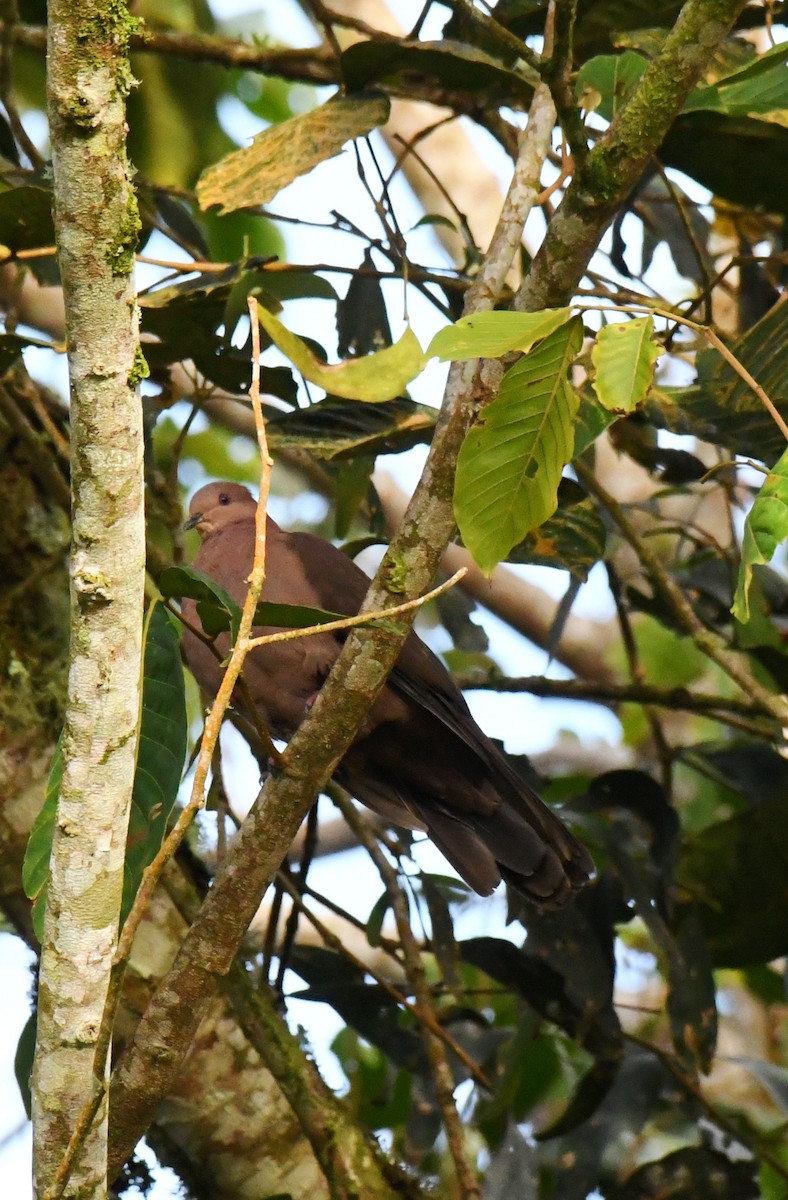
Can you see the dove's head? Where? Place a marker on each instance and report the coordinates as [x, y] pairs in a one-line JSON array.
[[220, 504]]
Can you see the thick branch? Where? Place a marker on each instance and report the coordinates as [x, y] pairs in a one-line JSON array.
[[97, 227]]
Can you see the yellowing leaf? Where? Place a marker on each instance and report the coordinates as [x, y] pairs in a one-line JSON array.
[[765, 529], [623, 356], [277, 156], [373, 378], [491, 334]]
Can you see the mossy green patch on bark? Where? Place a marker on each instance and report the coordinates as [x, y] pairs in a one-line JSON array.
[[120, 255], [140, 370], [398, 575]]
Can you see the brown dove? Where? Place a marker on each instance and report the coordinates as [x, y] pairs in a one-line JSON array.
[[419, 759]]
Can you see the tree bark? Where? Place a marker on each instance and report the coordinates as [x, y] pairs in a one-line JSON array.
[[97, 229]]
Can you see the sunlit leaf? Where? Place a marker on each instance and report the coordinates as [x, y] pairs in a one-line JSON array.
[[765, 529], [373, 378], [510, 464], [491, 334], [624, 355]]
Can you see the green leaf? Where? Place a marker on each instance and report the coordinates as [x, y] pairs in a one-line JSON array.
[[510, 464], [765, 529], [624, 355], [35, 869], [215, 607], [188, 320], [362, 320], [605, 83], [352, 488], [530, 1068], [161, 748], [591, 422], [685, 1174], [376, 918], [11, 347], [367, 1008], [218, 450], [714, 147], [23, 1060], [759, 89], [721, 407], [295, 616], [491, 334], [373, 378], [692, 1006], [218, 611], [277, 156]]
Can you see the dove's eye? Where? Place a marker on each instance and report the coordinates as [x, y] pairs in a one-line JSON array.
[[224, 498]]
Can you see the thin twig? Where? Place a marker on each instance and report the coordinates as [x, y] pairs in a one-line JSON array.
[[367, 618], [725, 709]]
